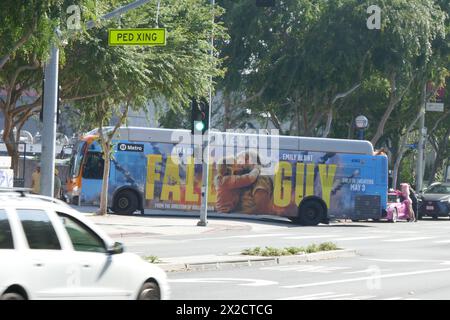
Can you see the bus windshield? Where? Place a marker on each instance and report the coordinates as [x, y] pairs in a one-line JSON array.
[[77, 159]]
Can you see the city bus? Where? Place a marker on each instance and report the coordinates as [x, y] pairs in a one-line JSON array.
[[307, 180]]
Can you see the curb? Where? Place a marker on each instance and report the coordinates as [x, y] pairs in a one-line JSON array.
[[248, 261]]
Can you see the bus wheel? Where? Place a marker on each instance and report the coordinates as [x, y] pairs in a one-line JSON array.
[[125, 202], [311, 213]]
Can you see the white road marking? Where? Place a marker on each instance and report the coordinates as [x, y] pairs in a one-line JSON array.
[[408, 239], [393, 298], [312, 237], [358, 298], [366, 271], [338, 296], [308, 296], [236, 237], [402, 260], [359, 238], [442, 241], [261, 235], [300, 268], [250, 282], [393, 275]]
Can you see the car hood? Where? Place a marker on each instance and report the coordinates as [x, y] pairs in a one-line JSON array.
[[435, 197]]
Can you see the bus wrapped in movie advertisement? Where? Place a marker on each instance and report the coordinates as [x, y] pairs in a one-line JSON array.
[[308, 180]]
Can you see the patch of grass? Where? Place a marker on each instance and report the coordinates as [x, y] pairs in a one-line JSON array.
[[312, 248], [252, 252], [288, 251], [295, 250], [328, 246], [152, 259]]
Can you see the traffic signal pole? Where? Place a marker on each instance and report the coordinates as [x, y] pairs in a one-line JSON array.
[[51, 105], [49, 120], [205, 166]]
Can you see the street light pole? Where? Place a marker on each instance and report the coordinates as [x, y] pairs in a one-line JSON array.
[[205, 165], [50, 105], [421, 145]]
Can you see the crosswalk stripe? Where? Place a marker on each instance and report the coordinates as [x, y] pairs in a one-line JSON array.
[[407, 239]]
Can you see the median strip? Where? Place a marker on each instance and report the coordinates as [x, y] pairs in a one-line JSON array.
[[290, 255]]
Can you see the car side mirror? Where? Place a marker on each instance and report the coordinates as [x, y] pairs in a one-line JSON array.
[[116, 248]]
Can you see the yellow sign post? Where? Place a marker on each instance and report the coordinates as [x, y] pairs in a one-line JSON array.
[[148, 37]]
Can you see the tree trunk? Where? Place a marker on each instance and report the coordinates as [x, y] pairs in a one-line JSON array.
[[440, 155], [397, 163], [394, 100], [226, 111], [401, 150], [106, 140], [327, 130], [10, 143], [105, 183]]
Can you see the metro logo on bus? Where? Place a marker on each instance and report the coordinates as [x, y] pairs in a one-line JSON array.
[[151, 37], [130, 147]]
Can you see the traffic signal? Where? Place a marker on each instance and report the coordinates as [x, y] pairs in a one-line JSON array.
[[200, 116], [265, 3]]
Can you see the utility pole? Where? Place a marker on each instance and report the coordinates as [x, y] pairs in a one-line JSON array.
[[50, 105], [205, 165], [421, 145]]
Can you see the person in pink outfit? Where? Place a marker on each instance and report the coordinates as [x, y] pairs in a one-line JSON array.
[[407, 200]]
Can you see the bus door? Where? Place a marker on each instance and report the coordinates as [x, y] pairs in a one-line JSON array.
[[92, 178]]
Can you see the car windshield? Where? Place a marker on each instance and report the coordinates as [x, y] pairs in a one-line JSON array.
[[441, 189]]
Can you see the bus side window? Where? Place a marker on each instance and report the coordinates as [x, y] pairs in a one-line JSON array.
[[93, 168]]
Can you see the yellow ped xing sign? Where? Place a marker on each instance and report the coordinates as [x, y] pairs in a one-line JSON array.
[[148, 37]]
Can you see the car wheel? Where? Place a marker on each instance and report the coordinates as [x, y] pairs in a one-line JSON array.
[[150, 291], [394, 216], [125, 202], [311, 213], [12, 296]]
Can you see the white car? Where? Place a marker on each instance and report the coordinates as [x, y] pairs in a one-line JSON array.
[[50, 251]]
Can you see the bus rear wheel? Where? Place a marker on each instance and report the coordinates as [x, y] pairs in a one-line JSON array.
[[311, 213], [125, 202]]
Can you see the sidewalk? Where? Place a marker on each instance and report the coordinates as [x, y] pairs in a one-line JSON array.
[[169, 223], [165, 223]]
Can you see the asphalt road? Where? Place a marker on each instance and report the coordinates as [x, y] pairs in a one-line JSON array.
[[395, 261], [426, 239]]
